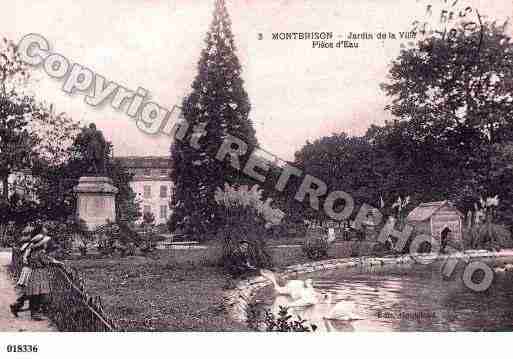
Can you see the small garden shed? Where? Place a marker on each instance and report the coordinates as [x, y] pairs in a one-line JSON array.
[[438, 219]]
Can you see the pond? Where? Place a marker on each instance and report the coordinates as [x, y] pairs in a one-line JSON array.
[[407, 297]]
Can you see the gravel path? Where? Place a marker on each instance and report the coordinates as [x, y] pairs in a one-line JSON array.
[[8, 323]]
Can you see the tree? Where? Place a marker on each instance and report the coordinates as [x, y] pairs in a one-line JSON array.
[[217, 107], [344, 163], [15, 141], [32, 137], [452, 102], [451, 80]]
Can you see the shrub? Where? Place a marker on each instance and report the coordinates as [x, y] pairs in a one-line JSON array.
[[283, 322], [381, 249], [108, 237], [82, 233], [316, 247], [246, 217], [488, 235], [148, 219]]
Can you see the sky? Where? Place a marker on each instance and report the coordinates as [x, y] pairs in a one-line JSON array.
[[297, 93]]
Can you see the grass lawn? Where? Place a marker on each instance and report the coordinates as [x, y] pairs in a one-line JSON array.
[[143, 294]]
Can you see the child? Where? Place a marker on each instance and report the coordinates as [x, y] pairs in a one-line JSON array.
[[37, 235]]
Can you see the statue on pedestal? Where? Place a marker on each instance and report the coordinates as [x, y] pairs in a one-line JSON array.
[[96, 194], [96, 148]]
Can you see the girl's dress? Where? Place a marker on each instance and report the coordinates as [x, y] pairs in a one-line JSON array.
[[25, 270], [39, 280]]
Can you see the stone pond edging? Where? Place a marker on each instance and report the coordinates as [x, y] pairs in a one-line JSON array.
[[236, 301]]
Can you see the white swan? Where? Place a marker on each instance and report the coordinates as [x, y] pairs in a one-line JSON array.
[[302, 292], [308, 296], [293, 288], [340, 311]]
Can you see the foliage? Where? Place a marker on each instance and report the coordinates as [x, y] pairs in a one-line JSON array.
[[218, 106], [487, 234], [150, 235], [245, 216], [344, 163], [108, 237], [121, 238], [16, 142], [233, 197], [84, 236], [32, 138], [56, 133], [450, 137], [13, 71], [283, 322], [148, 219], [51, 135], [316, 247], [452, 103]]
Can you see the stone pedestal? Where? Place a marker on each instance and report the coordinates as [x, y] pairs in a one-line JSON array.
[[96, 200]]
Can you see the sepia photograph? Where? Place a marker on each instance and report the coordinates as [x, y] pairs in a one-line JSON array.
[[240, 167]]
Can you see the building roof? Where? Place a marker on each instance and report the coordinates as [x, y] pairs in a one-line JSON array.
[[425, 210], [145, 162]]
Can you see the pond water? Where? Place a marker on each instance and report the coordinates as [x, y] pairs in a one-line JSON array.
[[408, 298]]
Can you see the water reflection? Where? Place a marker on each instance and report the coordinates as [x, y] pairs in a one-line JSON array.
[[408, 298], [313, 314]]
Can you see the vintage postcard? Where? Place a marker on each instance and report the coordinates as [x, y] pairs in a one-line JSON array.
[[255, 166]]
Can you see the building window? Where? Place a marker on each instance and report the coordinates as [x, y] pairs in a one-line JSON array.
[[147, 172], [147, 191], [147, 209], [163, 191], [164, 172], [163, 212]]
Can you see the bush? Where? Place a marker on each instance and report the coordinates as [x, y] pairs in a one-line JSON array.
[[81, 232], [487, 236], [162, 228], [7, 234], [381, 249], [120, 237], [287, 230], [148, 219], [246, 217], [283, 322], [109, 236], [316, 247]]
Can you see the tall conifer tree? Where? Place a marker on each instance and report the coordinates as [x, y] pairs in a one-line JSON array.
[[219, 104]]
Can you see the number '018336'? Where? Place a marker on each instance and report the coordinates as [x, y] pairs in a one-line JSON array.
[[22, 348]]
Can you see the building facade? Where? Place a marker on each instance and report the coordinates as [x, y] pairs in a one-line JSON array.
[[151, 183]]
